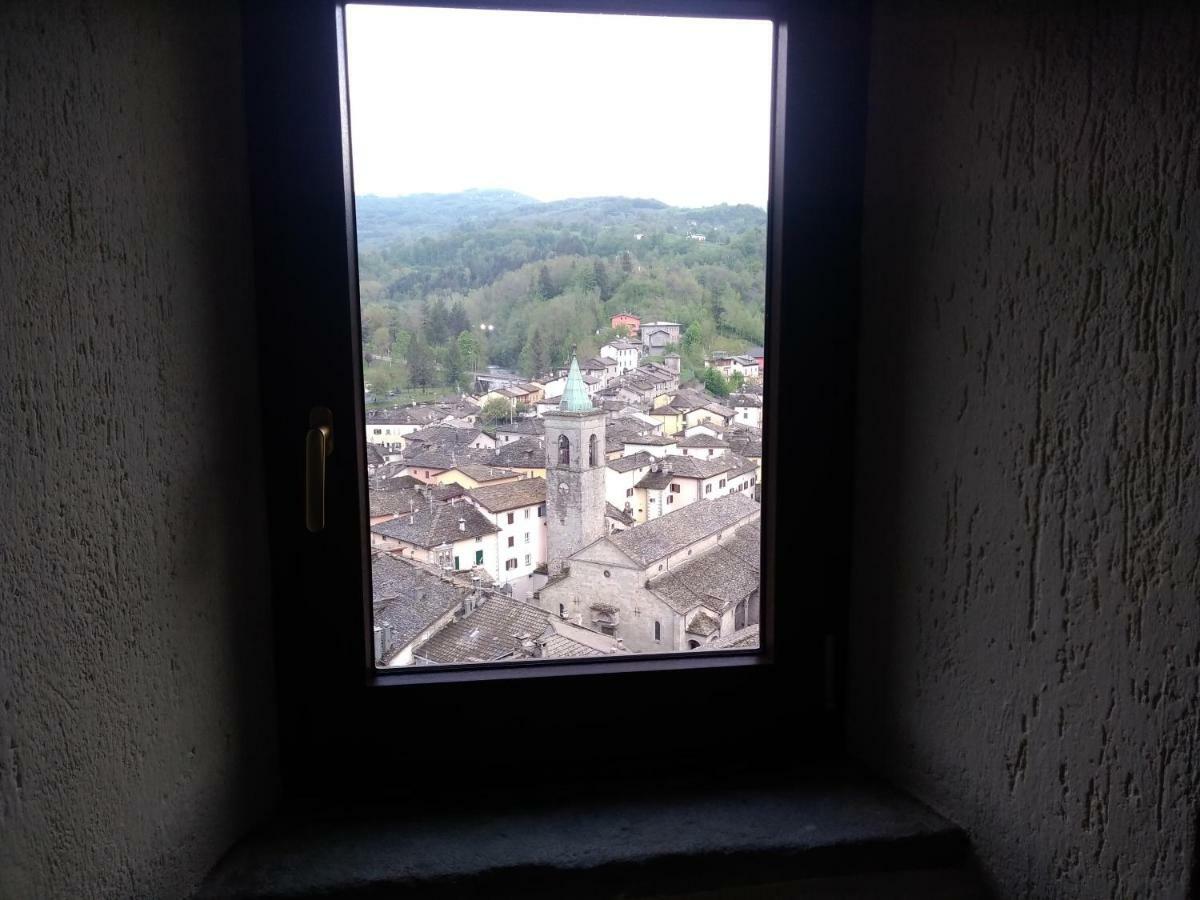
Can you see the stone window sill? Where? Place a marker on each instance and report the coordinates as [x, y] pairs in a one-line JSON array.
[[832, 828]]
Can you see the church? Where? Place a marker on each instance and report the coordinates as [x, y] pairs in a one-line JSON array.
[[679, 582]]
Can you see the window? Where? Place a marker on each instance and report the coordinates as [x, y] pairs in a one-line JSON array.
[[479, 557], [670, 499], [510, 540], [510, 518], [510, 564], [722, 484], [628, 492], [292, 87], [708, 489], [527, 513], [674, 488], [658, 631], [527, 537], [528, 560], [593, 454], [564, 450], [542, 511]]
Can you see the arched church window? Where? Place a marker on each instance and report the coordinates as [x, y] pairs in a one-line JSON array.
[[592, 451], [564, 450]]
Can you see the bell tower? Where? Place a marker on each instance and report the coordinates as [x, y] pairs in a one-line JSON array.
[[575, 471]]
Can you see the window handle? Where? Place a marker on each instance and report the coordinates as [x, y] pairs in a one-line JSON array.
[[318, 445]]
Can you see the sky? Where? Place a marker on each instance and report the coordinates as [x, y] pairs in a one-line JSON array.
[[558, 105]]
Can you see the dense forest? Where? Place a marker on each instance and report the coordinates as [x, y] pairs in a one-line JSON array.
[[541, 277]]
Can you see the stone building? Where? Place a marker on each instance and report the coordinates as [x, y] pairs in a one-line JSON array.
[[657, 336], [671, 584], [575, 471]]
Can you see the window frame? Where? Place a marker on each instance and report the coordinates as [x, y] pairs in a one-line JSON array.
[[335, 710]]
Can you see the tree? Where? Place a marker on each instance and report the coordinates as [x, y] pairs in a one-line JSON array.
[[456, 320], [381, 339], [537, 353], [436, 321], [715, 383], [736, 381], [494, 412], [545, 285], [420, 363], [626, 263], [600, 273], [454, 364], [469, 351], [400, 346]]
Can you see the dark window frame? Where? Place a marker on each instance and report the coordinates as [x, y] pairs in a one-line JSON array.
[[335, 710]]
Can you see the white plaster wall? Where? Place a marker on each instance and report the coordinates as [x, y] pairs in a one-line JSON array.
[[1025, 638], [136, 715]]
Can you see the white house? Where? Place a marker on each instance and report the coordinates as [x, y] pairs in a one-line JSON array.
[[455, 536], [625, 352], [620, 483], [517, 509]]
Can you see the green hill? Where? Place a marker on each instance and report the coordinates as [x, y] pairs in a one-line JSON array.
[[546, 276]]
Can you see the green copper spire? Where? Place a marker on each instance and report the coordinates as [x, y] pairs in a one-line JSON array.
[[574, 396]]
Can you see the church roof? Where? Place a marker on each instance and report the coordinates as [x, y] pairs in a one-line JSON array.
[[574, 395]]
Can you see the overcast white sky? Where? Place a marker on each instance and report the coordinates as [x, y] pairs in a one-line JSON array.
[[556, 105]]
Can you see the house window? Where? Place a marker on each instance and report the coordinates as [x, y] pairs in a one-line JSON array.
[[722, 484], [479, 557], [670, 499], [510, 564], [527, 513], [708, 489], [510, 540], [378, 431], [628, 492], [674, 489], [527, 537], [658, 631], [562, 611], [542, 511], [510, 518], [457, 565], [528, 560]]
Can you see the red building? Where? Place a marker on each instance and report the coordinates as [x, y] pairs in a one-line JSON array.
[[629, 319]]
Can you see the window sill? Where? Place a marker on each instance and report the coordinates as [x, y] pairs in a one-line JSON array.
[[694, 836]]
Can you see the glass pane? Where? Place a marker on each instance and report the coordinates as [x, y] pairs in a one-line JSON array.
[[562, 239]]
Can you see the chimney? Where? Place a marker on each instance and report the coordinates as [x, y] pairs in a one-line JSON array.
[[462, 524], [620, 644]]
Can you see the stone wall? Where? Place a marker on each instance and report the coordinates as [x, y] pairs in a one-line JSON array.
[[136, 715], [1025, 632]]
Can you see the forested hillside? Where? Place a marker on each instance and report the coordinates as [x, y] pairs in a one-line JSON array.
[[545, 276]]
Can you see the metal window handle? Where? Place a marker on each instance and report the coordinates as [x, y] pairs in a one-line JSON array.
[[318, 445]]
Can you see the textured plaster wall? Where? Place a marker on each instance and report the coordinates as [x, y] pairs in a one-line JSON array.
[[1026, 617], [136, 721]]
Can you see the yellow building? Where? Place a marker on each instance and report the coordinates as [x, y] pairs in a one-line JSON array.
[[473, 475], [671, 418]]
